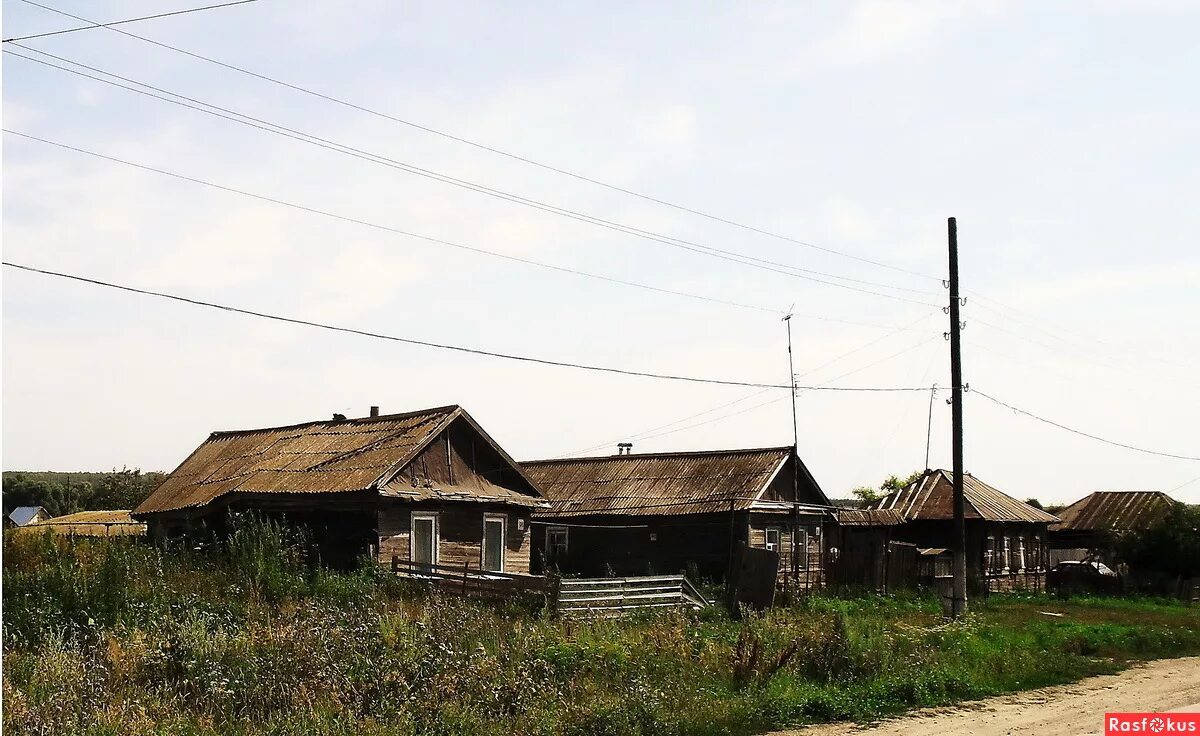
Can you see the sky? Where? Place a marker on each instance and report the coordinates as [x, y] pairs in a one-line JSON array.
[[1061, 135]]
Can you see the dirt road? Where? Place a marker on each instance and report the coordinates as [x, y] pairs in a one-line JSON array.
[[1065, 710]]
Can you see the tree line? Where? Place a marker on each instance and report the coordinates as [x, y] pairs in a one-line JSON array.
[[66, 493]]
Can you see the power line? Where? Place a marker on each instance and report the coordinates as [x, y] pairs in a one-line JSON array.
[[440, 346], [120, 22], [497, 151], [1082, 433], [643, 433], [276, 129], [848, 353], [1184, 485], [406, 233]]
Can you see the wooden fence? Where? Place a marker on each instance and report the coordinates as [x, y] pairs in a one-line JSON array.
[[469, 581], [617, 596]]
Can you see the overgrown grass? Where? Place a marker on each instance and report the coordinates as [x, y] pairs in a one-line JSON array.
[[116, 637]]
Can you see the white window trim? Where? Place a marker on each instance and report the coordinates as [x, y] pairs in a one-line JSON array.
[[412, 535], [503, 519], [778, 535]]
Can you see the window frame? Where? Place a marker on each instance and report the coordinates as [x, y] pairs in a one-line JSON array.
[[801, 534], [493, 517], [778, 531]]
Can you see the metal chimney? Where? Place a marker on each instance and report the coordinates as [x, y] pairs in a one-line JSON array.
[[624, 448], [374, 411]]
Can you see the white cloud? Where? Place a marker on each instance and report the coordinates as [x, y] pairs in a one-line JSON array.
[[877, 29]]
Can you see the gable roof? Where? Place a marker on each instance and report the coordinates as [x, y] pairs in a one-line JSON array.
[[931, 497], [1116, 510], [667, 483], [321, 457], [23, 515]]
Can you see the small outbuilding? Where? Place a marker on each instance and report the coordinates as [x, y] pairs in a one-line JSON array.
[[670, 512], [429, 487], [1006, 538], [26, 515]]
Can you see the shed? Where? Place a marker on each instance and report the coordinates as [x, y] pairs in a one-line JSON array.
[[636, 514], [858, 547], [1006, 538], [429, 486], [25, 515]]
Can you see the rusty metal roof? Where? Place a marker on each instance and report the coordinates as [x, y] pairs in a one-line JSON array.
[[339, 456], [869, 517], [931, 497], [669, 483], [1115, 510]]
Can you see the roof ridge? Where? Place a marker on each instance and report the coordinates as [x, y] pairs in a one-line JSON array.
[[675, 453], [340, 422]]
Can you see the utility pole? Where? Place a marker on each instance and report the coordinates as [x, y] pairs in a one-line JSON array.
[[795, 466], [959, 535]]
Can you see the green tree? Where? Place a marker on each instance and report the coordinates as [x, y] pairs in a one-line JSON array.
[[1171, 546]]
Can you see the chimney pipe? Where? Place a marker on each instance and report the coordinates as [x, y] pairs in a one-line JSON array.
[[374, 411], [624, 448]]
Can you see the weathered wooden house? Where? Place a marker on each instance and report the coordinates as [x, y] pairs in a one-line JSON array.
[[428, 486], [1006, 538], [1087, 527], [670, 512]]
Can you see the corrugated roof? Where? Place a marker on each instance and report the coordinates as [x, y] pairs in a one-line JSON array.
[[92, 524], [316, 457], [670, 483], [869, 517], [931, 497], [1115, 510]]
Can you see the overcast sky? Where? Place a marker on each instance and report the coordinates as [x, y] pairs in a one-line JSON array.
[[1062, 135]]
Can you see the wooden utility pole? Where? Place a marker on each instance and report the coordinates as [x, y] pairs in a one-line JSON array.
[[959, 536], [795, 467]]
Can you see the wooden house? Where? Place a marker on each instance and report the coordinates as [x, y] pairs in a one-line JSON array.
[[1006, 538], [1087, 527], [670, 512], [427, 486]]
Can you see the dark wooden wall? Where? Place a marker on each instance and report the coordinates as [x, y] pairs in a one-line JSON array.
[[643, 545], [460, 532]]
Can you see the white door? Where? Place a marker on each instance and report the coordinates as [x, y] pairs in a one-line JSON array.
[[423, 541], [493, 542]]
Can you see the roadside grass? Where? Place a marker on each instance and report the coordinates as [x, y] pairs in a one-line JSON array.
[[117, 637]]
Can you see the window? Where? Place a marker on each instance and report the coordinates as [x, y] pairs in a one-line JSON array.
[[772, 538], [802, 548], [1007, 552], [989, 554], [1020, 554], [494, 526], [423, 540], [556, 545]]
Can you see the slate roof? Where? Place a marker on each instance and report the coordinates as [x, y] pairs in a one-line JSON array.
[[92, 523], [931, 497], [668, 483], [323, 457], [1115, 510]]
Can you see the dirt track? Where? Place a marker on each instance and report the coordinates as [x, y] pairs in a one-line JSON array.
[[1065, 710]]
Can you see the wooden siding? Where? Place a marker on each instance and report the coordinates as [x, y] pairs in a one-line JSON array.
[[810, 576], [460, 533]]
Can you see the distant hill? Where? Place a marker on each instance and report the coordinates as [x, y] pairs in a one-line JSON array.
[[67, 492]]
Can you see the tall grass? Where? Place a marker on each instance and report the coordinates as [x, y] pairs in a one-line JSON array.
[[114, 636]]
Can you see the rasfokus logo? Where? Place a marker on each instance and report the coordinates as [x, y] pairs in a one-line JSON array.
[[1151, 723]]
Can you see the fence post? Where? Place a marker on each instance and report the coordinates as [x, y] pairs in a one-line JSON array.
[[466, 565], [395, 564]]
